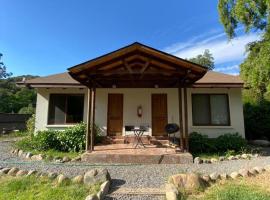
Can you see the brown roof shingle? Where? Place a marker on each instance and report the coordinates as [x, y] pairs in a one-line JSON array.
[[65, 80]]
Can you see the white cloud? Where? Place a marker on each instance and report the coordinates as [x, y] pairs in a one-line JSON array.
[[223, 50], [227, 68]]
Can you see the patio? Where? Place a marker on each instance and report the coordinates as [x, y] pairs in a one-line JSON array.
[[126, 153]]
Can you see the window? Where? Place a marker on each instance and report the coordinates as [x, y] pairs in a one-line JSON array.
[[65, 109], [210, 110]]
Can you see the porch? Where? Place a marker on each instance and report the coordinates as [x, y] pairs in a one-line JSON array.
[[137, 66]]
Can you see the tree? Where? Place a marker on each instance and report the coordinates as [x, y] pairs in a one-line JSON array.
[[206, 59], [3, 70], [252, 15]]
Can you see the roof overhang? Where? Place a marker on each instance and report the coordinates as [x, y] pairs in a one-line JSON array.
[[137, 66]]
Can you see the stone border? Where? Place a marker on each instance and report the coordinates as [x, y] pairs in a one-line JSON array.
[[173, 193], [37, 157], [91, 177], [198, 160]]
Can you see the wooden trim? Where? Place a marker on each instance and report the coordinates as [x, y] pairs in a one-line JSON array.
[[180, 118], [186, 119]]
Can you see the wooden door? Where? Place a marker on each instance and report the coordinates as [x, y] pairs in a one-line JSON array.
[[115, 114], [159, 114]]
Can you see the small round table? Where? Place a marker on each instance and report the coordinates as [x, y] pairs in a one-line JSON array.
[[138, 132]]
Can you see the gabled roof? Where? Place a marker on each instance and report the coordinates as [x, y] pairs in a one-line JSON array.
[[137, 65], [210, 79]]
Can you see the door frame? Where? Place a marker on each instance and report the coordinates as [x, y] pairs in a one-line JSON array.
[[108, 105], [165, 94]]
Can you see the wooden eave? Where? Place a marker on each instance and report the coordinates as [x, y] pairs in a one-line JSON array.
[[137, 66]]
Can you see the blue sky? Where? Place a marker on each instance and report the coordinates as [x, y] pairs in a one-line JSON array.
[[46, 37]]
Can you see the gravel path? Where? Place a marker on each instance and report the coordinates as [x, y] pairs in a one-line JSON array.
[[152, 176]]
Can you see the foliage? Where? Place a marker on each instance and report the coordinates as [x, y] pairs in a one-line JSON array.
[[12, 97], [257, 120], [253, 15], [30, 124], [31, 188], [199, 143], [69, 140], [72, 139], [27, 110], [206, 59], [234, 191], [3, 69]]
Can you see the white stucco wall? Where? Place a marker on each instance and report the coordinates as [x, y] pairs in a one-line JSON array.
[[136, 97]]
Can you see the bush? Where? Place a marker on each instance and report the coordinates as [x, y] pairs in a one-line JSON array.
[[199, 143], [30, 124], [257, 120], [70, 139], [230, 142]]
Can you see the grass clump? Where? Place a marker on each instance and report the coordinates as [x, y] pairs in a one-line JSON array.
[[32, 188]]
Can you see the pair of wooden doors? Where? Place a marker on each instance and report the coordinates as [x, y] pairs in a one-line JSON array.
[[115, 114]]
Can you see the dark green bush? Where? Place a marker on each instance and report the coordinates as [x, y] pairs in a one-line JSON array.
[[230, 142], [199, 143], [257, 120], [72, 139]]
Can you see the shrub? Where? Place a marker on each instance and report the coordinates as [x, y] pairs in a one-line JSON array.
[[30, 124], [199, 143], [72, 139], [230, 142]]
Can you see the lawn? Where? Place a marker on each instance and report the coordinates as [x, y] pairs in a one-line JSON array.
[[253, 188], [12, 135], [32, 188]]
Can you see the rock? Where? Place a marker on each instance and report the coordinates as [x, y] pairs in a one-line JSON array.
[[28, 155], [237, 157], [76, 159], [198, 160], [59, 161], [31, 172], [206, 178], [256, 155], [253, 171], [92, 197], [267, 168], [37, 157], [20, 153], [245, 156], [22, 173], [16, 151], [262, 143], [214, 176], [77, 179], [13, 171], [5, 170], [213, 160], [189, 182], [259, 169], [224, 176], [244, 172], [104, 189], [96, 176], [66, 159], [221, 158], [206, 161], [52, 175], [61, 179], [231, 158], [234, 175]]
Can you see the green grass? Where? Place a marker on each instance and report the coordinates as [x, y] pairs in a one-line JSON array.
[[32, 188], [252, 188], [236, 192]]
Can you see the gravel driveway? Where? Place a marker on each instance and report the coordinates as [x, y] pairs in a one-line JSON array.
[[129, 176]]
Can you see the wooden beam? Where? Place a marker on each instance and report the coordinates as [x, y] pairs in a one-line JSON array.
[[186, 119], [88, 124], [181, 118]]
